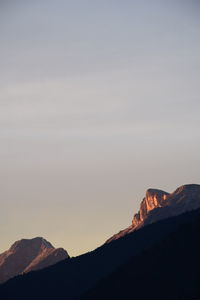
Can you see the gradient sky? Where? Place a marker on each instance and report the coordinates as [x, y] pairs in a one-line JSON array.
[[99, 100]]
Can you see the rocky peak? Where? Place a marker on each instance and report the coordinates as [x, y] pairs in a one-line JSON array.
[[187, 188], [158, 205], [154, 198], [185, 198], [29, 254], [36, 244]]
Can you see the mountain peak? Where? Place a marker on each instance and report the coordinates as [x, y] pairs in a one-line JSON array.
[[187, 188], [154, 198], [36, 243], [158, 205], [152, 191], [29, 254]]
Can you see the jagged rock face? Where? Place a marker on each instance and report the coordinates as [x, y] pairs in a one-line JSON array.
[[27, 255], [154, 198], [158, 205]]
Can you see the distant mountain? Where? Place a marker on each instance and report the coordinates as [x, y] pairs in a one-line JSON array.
[[159, 205], [27, 255]]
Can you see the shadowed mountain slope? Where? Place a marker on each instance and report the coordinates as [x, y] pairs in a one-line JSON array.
[[168, 270]]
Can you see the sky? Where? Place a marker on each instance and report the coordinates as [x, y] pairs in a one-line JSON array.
[[99, 101]]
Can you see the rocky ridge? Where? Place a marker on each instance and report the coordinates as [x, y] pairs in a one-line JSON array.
[[27, 255], [158, 205]]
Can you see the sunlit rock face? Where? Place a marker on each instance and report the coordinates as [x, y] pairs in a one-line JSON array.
[[154, 198], [27, 255], [158, 205]]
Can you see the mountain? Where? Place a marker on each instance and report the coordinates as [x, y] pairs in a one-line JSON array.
[[27, 255], [158, 205], [72, 278], [81, 276]]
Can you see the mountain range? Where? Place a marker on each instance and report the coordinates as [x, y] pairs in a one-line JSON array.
[[157, 257]]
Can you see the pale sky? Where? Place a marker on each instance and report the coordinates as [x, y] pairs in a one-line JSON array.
[[99, 100]]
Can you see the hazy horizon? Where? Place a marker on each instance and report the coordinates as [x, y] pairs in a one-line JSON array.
[[99, 101]]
